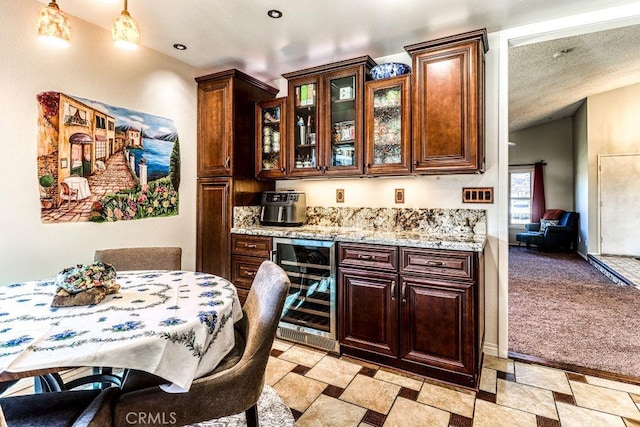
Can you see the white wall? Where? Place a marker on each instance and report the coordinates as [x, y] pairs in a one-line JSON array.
[[581, 175], [553, 143], [613, 120], [93, 68]]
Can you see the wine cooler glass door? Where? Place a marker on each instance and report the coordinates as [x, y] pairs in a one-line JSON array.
[[310, 305]]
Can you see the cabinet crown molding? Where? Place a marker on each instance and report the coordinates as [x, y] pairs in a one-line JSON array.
[[480, 35]]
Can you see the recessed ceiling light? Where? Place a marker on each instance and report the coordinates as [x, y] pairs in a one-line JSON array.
[[179, 46], [562, 52], [274, 13]]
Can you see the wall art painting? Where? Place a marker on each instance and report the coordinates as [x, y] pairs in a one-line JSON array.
[[101, 163]]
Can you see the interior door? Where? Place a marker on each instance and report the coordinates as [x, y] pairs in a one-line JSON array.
[[619, 204]]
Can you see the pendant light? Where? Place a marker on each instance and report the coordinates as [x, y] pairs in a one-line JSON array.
[[125, 31], [53, 26]]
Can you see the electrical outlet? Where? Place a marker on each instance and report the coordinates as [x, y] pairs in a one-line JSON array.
[[399, 195], [340, 195]]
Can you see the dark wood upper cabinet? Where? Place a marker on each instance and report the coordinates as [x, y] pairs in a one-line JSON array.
[[448, 104], [325, 119], [388, 126], [271, 139], [226, 122]]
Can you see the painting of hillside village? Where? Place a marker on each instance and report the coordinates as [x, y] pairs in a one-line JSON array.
[[102, 163]]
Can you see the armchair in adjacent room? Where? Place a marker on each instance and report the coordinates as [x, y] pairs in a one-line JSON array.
[[552, 234]]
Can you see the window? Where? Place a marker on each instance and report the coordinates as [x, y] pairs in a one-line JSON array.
[[520, 186], [101, 148]]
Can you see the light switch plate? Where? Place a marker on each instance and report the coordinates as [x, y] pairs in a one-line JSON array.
[[340, 195], [477, 195]]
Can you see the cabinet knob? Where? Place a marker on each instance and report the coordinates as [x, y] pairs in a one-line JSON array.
[[281, 169], [369, 165], [416, 163], [404, 292], [228, 163], [249, 273], [250, 246], [326, 168], [360, 256], [319, 168], [393, 290]]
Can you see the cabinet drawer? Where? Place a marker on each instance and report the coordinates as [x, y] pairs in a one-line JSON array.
[[244, 269], [256, 246], [368, 256], [450, 264]]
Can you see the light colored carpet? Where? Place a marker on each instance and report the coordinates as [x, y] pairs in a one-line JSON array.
[[272, 412], [564, 310]]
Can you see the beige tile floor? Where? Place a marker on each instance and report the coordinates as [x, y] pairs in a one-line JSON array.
[[324, 390]]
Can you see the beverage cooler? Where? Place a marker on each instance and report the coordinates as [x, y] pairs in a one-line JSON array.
[[309, 314]]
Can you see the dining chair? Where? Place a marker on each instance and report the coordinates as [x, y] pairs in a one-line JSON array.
[[77, 408], [67, 193], [235, 385], [150, 258]]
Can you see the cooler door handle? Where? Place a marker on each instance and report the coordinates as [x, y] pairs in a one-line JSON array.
[[280, 213]]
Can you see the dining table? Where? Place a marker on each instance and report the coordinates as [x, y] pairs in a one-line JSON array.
[[177, 325], [79, 183]]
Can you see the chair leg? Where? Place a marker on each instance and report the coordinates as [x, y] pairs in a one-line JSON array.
[[252, 416]]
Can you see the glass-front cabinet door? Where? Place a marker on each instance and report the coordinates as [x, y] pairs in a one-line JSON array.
[[344, 124], [325, 118], [388, 129], [271, 139], [304, 156]]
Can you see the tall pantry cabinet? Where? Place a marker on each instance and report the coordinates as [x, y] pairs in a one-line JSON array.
[[226, 161]]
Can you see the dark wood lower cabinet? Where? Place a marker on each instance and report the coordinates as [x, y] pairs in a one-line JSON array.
[[420, 321], [369, 311], [436, 328], [247, 254]]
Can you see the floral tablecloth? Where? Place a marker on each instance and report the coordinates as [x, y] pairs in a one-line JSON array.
[[175, 324]]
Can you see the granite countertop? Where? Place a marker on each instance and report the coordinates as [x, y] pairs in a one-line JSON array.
[[462, 242]]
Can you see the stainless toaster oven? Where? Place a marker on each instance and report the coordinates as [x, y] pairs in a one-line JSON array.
[[284, 208]]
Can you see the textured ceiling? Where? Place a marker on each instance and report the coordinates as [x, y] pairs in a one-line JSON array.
[[543, 88]]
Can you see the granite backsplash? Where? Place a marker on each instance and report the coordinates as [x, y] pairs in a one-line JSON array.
[[432, 221]]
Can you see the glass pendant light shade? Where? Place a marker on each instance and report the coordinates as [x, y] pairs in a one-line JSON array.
[[125, 31], [53, 25]]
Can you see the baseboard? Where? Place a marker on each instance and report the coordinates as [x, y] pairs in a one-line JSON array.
[[490, 349]]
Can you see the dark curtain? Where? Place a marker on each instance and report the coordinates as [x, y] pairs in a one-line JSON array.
[[537, 202]]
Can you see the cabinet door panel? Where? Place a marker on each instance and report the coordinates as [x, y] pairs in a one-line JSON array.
[[437, 324], [343, 122], [448, 104], [215, 128], [271, 138], [387, 126], [214, 227], [368, 311], [305, 144]]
